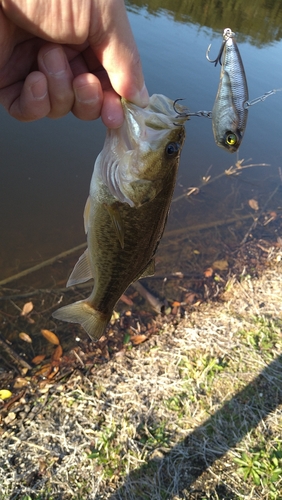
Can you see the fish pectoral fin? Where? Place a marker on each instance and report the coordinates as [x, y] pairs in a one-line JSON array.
[[86, 214], [117, 222], [81, 271], [93, 322], [150, 269], [143, 190]]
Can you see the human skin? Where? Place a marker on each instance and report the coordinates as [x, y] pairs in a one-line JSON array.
[[58, 56]]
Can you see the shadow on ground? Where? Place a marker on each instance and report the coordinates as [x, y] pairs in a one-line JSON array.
[[180, 472]]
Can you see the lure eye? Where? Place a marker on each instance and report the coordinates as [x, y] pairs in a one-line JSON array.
[[230, 139], [172, 149]]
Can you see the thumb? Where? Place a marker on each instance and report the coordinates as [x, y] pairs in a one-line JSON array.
[[112, 41]]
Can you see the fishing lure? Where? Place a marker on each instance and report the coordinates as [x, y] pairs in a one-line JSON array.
[[230, 113]]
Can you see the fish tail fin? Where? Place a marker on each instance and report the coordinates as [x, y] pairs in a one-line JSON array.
[[93, 322]]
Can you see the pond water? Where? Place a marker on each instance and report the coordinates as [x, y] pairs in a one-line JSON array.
[[46, 166]]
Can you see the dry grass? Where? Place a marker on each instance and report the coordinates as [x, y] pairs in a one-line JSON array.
[[194, 413]]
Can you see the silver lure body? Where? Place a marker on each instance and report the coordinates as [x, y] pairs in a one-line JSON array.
[[229, 114]]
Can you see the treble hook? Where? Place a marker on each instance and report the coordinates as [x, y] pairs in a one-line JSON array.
[[218, 59], [175, 109], [227, 33]]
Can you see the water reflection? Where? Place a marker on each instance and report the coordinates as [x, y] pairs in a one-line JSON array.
[[46, 166], [260, 21]]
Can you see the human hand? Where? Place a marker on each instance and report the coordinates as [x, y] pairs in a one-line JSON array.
[[58, 56]]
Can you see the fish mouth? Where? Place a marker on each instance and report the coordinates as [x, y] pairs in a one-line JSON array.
[[129, 150], [150, 125]]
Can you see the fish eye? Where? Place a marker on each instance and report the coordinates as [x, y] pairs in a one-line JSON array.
[[230, 139], [172, 149]]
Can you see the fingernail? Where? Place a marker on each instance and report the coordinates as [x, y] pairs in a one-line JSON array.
[[55, 61], [39, 89], [85, 94], [142, 97]]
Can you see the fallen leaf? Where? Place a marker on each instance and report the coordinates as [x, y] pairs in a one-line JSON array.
[[208, 272], [279, 241], [54, 372], [273, 214], [27, 308], [175, 310], [50, 336], [254, 204], [38, 359], [221, 265], [25, 337], [30, 320], [190, 297], [21, 382], [126, 300], [5, 394], [138, 339], [115, 316], [176, 304], [44, 371], [57, 354]]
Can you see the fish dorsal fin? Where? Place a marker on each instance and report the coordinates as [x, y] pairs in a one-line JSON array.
[[117, 222], [150, 269], [86, 214], [81, 271]]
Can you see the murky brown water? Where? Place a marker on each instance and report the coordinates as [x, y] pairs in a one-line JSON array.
[[46, 166]]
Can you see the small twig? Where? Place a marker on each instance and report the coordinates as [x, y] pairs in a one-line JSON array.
[[153, 301], [78, 358], [207, 179], [28, 443], [54, 291], [47, 262], [207, 225], [5, 348]]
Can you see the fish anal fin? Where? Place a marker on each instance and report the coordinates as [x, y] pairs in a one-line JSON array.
[[81, 271], [93, 322], [117, 222], [150, 269], [86, 214]]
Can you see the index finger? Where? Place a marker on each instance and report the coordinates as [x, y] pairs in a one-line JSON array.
[[112, 41]]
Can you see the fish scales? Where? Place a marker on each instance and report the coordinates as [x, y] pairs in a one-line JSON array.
[[142, 235], [130, 195]]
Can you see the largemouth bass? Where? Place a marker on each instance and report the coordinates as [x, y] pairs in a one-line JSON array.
[[125, 215], [229, 114]]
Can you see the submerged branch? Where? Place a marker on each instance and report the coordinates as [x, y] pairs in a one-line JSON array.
[[45, 263], [207, 179], [206, 225]]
